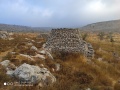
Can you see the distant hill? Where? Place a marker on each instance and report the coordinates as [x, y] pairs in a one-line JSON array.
[[106, 26], [18, 28]]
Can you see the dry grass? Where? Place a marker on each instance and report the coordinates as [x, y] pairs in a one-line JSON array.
[[75, 73]]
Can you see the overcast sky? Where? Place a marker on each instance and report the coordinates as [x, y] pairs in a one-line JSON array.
[[58, 13]]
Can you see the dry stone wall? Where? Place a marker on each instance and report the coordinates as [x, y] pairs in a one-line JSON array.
[[69, 41]]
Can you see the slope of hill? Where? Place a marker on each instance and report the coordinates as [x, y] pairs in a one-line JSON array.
[[107, 26], [18, 28]]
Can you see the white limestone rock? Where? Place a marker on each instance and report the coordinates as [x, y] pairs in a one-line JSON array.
[[49, 55], [41, 65], [43, 45], [33, 48], [9, 67], [23, 56], [32, 40], [39, 56], [4, 35], [10, 38], [39, 42], [29, 44], [12, 53], [11, 33], [100, 59], [88, 89], [5, 63], [42, 52], [34, 74], [10, 72], [57, 66]]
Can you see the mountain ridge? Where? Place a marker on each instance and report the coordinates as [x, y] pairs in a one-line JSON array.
[[105, 26], [20, 28]]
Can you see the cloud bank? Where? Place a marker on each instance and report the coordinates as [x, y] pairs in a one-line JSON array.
[[58, 13]]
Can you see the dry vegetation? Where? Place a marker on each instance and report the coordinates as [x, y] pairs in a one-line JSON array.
[[76, 72]]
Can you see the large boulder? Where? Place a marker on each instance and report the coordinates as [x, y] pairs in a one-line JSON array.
[[34, 74]]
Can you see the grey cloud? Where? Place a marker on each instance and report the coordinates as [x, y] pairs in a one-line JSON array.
[[58, 13]]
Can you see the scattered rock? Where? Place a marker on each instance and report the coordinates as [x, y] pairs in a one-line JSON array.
[[42, 52], [57, 66], [9, 67], [11, 34], [10, 72], [39, 56], [27, 39], [49, 55], [43, 46], [41, 65], [32, 40], [53, 69], [88, 89], [39, 42], [33, 48], [24, 57], [4, 35], [5, 63], [10, 38], [29, 44], [100, 59], [12, 53]]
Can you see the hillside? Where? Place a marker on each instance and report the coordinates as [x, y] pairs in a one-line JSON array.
[[107, 26], [27, 60], [18, 28]]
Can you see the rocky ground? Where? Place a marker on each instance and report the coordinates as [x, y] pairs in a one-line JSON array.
[[24, 59]]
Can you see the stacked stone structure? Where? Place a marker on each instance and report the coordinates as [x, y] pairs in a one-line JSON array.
[[69, 41]]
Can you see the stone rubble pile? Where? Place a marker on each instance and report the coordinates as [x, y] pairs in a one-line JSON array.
[[68, 40]]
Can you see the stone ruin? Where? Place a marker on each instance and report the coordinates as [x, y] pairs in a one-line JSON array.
[[68, 41]]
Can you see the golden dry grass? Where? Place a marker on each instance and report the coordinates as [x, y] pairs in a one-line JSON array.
[[76, 73]]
